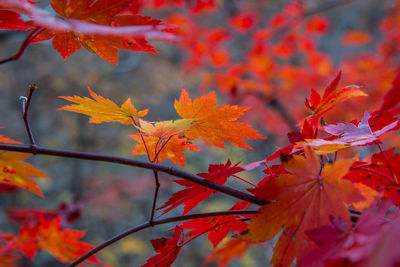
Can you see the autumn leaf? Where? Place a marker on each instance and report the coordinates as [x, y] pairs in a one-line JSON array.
[[217, 227], [331, 97], [194, 193], [18, 173], [356, 38], [10, 20], [214, 124], [164, 129], [392, 97], [303, 199], [63, 244], [349, 135], [173, 148], [101, 109], [99, 26], [233, 248], [8, 140], [375, 173], [369, 242], [167, 248]]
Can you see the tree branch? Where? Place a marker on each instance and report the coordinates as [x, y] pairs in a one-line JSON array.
[[137, 163], [157, 222], [25, 102], [31, 36]]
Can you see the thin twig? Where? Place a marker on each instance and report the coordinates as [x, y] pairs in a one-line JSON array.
[[157, 222], [140, 164], [153, 207], [25, 102], [156, 180], [31, 36]]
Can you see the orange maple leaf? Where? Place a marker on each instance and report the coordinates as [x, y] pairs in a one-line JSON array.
[[8, 140], [103, 110], [164, 129], [101, 12], [214, 124], [233, 248], [64, 244], [304, 199], [173, 149], [16, 172]]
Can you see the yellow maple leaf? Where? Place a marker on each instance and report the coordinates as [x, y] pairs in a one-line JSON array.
[[102, 109]]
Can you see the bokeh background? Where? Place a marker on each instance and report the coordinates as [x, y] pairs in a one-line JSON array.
[[237, 48]]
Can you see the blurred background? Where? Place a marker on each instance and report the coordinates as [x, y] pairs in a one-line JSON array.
[[262, 54]]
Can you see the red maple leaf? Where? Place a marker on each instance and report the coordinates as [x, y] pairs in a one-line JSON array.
[[167, 248], [194, 194], [217, 227], [370, 241], [375, 173]]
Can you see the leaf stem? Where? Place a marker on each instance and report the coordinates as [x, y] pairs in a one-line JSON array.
[[156, 222], [241, 179]]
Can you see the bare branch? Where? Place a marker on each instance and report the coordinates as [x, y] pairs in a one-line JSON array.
[[25, 102], [31, 36], [157, 222], [140, 164]]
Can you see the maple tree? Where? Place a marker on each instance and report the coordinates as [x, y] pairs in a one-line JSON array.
[[331, 191]]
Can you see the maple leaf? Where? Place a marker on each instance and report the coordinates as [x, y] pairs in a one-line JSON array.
[[103, 110], [331, 97], [304, 199], [214, 124], [356, 38], [8, 140], [173, 149], [7, 256], [194, 193], [167, 248], [63, 244], [392, 97], [217, 227], [349, 135], [10, 20], [164, 129], [233, 248], [375, 173], [369, 242], [99, 26], [16, 172]]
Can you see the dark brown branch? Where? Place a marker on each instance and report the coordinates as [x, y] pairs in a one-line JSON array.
[[153, 207], [31, 36], [157, 222], [26, 101], [137, 163]]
